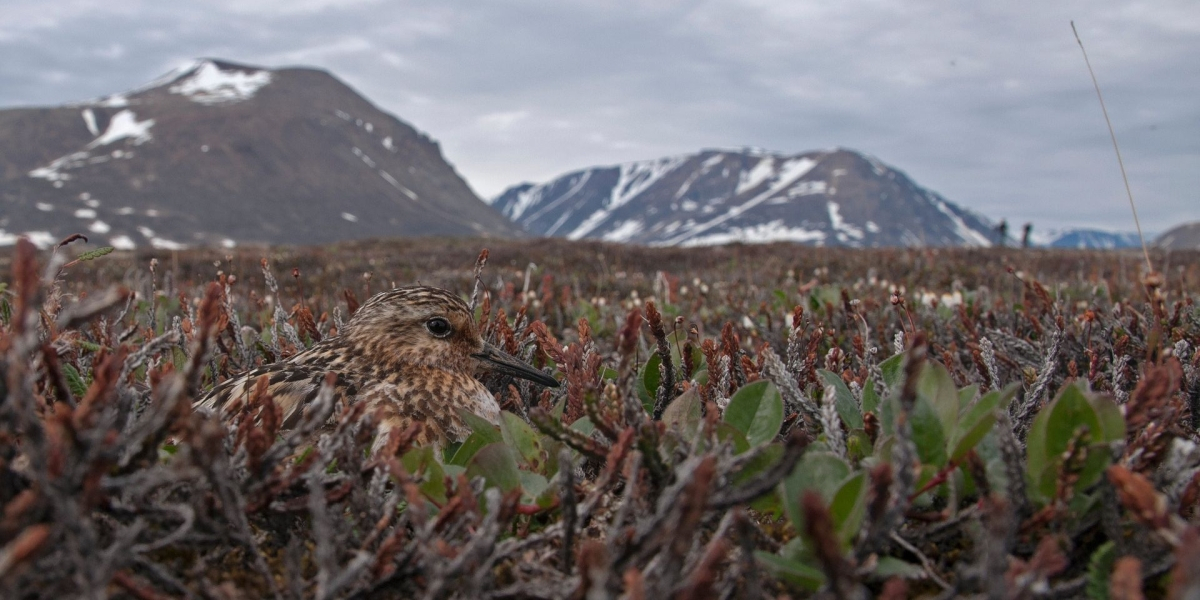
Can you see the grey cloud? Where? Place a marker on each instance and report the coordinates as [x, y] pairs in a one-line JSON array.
[[987, 103]]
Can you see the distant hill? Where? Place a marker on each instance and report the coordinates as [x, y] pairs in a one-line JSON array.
[[1183, 237], [1088, 238], [830, 198], [221, 153]]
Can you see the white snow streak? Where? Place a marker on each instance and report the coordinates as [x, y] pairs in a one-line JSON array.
[[964, 231], [208, 84], [623, 232], [89, 119], [633, 179], [774, 231], [583, 179], [762, 171], [844, 230]]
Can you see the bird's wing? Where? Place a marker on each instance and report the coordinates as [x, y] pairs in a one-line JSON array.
[[291, 386]]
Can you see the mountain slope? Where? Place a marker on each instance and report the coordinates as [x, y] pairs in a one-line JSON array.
[[832, 198], [1087, 239], [219, 153], [1183, 237]]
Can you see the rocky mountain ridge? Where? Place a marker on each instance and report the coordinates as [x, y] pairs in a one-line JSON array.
[[832, 198], [217, 153]]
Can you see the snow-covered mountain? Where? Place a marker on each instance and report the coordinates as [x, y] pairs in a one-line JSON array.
[[833, 198], [217, 153], [1098, 239]]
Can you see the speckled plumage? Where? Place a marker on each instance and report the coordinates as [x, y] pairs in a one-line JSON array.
[[389, 356]]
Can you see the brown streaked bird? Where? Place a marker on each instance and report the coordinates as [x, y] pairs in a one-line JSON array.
[[410, 353]]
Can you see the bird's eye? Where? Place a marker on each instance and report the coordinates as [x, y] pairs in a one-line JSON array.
[[439, 327]]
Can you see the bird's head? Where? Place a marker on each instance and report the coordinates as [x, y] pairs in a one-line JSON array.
[[421, 325]]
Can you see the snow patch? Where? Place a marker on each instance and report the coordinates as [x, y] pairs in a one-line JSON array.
[[124, 125], [623, 232], [762, 171], [228, 243], [122, 242], [774, 231], [808, 188], [845, 231], [349, 217], [387, 143], [209, 84], [41, 239], [99, 227], [89, 119], [54, 172], [85, 213], [113, 101], [125, 210], [165, 244], [712, 161], [44, 206]]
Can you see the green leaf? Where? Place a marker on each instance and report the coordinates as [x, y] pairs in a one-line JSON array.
[[870, 400], [795, 573], [497, 465], [1099, 571], [937, 386], [928, 434], [756, 410], [683, 413], [823, 472], [521, 437], [890, 566], [728, 433], [848, 507], [977, 420], [892, 368], [584, 425], [427, 472], [965, 396], [650, 378], [74, 381], [843, 399], [1054, 427], [533, 485], [482, 434]]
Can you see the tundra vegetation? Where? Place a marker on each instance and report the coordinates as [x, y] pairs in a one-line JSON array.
[[733, 422]]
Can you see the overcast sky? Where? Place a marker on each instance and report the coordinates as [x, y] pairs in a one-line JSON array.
[[987, 103]]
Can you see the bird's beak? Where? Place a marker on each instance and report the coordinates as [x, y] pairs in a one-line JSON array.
[[498, 360]]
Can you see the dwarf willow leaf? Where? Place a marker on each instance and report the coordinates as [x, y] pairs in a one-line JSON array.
[[756, 410], [497, 465], [843, 399]]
